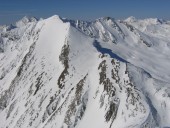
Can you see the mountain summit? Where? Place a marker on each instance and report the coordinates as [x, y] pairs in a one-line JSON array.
[[59, 73]]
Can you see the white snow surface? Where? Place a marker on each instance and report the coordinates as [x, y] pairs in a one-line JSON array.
[[60, 73]]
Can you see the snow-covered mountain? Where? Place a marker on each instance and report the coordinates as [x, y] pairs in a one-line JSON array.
[[60, 73]]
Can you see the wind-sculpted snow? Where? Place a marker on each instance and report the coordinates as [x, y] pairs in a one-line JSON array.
[[59, 73]]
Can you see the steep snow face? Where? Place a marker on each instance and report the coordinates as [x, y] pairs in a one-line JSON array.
[[140, 40], [56, 73]]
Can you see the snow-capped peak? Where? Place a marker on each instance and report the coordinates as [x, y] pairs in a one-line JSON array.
[[59, 73], [153, 21], [131, 19], [55, 17], [25, 20]]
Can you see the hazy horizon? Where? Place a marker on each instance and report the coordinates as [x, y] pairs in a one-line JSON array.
[[11, 11]]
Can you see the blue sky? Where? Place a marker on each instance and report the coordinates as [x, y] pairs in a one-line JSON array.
[[12, 10]]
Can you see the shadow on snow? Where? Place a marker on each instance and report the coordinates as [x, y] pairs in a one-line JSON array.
[[99, 48]]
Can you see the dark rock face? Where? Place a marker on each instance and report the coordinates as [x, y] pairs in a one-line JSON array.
[[65, 61], [78, 101]]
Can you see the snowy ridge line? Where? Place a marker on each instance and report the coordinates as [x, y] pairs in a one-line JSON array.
[[75, 74], [112, 55]]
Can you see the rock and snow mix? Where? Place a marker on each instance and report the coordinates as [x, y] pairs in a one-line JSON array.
[[59, 73]]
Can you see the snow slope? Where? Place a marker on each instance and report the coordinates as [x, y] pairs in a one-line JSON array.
[[60, 73]]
